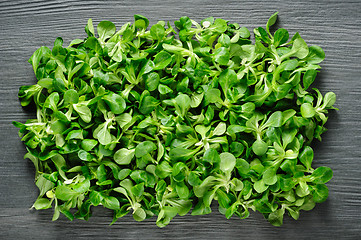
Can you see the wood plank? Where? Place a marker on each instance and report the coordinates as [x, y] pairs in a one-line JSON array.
[[333, 25]]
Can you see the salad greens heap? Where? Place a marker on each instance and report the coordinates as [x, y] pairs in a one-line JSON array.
[[156, 122]]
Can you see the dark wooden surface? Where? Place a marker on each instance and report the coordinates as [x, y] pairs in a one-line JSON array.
[[333, 25]]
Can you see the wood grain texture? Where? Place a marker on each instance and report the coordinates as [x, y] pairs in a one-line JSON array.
[[333, 25]]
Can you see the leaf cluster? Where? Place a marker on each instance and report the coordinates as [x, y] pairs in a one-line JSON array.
[[156, 121]]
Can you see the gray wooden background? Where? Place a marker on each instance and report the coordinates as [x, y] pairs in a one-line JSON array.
[[333, 25]]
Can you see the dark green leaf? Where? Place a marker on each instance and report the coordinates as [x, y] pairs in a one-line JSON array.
[[320, 193], [148, 104]]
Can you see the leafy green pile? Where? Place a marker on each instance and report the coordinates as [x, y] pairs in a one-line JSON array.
[[140, 121]]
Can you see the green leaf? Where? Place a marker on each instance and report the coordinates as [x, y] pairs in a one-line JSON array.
[[124, 156], [85, 156], [183, 102], [315, 55], [275, 120], [110, 202], [163, 169], [182, 190], [201, 189], [288, 65], [139, 214], [308, 204], [220, 129], [233, 129], [309, 78], [260, 186], [224, 40], [144, 148], [93, 44], [227, 79], [123, 173], [58, 127], [262, 33], [321, 175], [39, 55], [148, 104], [44, 185], [286, 184], [302, 189], [183, 23], [180, 154], [141, 21], [52, 101], [138, 190], [271, 21], [223, 199], [196, 99], [59, 85], [211, 156], [281, 37], [329, 100], [166, 214], [105, 29], [219, 26], [307, 110], [228, 161], [89, 28], [102, 133], [183, 130], [221, 56], [157, 32], [259, 147], [213, 95], [164, 89], [242, 166], [306, 157], [74, 134], [178, 172], [152, 81], [71, 97], [96, 198], [162, 60], [83, 111], [300, 47], [82, 187], [276, 217], [124, 120], [64, 193], [42, 203], [237, 184], [320, 193], [269, 176], [202, 130], [115, 102], [88, 144]]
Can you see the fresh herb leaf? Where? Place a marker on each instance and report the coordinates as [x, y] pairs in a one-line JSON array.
[[144, 122]]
